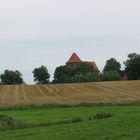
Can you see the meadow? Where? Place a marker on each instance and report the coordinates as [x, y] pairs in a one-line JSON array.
[[74, 123], [85, 111]]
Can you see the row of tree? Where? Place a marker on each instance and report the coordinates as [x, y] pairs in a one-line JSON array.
[[111, 72], [84, 73], [9, 77]]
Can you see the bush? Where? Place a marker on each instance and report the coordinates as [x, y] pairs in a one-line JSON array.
[[78, 78], [102, 115], [87, 77], [89, 118], [7, 123], [77, 119], [92, 77], [111, 76]]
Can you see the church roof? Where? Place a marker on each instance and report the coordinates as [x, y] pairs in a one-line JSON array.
[[74, 58]]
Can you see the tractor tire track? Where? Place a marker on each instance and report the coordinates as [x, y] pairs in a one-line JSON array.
[[44, 95], [77, 90], [122, 92], [90, 93], [1, 93], [110, 92], [40, 91], [5, 93], [25, 97], [57, 93], [49, 93]]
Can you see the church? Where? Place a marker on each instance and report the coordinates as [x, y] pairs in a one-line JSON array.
[[75, 61]]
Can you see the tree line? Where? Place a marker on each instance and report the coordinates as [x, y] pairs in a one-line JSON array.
[[84, 73]]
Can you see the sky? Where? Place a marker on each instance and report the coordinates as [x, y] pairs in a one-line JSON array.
[[47, 32]]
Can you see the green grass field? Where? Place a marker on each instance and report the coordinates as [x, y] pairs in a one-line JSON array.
[[123, 125]]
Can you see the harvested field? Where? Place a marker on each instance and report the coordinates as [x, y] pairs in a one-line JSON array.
[[101, 92]]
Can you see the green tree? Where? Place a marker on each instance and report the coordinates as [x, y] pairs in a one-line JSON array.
[[63, 74], [87, 77], [11, 77], [78, 78], [92, 77], [111, 76], [112, 65], [41, 75], [82, 73], [132, 66]]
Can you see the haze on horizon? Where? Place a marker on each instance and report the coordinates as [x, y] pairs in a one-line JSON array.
[[47, 32]]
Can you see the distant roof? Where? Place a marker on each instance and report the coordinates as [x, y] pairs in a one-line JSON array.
[[93, 65], [74, 58]]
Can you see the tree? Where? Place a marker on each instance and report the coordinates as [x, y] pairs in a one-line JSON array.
[[41, 75], [11, 77], [111, 76], [132, 66], [112, 70], [78, 78], [92, 77], [112, 65], [82, 73], [87, 77], [63, 74]]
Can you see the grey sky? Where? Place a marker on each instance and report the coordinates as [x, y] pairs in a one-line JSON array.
[[36, 32]]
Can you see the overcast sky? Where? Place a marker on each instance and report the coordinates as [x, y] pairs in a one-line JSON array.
[[47, 32]]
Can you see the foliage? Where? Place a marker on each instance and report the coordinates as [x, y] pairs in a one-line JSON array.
[[11, 77], [63, 74], [7, 122], [87, 77], [132, 66], [78, 78], [76, 119], [68, 74], [41, 75], [112, 65], [92, 77], [102, 115], [111, 76]]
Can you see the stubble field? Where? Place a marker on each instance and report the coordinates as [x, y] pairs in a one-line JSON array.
[[100, 92]]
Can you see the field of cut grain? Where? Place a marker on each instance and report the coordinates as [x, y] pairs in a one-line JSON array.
[[101, 92]]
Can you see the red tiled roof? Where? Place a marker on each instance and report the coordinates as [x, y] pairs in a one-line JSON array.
[[74, 58]]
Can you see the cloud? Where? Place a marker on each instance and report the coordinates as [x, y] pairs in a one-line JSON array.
[[46, 32]]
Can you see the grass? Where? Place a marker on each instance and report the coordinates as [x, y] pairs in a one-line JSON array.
[[75, 123]]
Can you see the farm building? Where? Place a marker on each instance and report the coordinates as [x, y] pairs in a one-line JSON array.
[[75, 61]]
